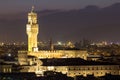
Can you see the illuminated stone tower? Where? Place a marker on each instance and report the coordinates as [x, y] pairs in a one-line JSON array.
[[32, 29]]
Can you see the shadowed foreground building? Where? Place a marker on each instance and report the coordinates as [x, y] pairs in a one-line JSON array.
[[69, 62]]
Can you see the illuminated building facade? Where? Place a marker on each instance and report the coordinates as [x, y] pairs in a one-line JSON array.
[[32, 31], [96, 70], [71, 70], [5, 68]]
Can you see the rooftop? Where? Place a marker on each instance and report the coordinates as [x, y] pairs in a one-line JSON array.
[[71, 62]]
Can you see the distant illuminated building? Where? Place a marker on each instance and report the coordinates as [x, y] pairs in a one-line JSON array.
[[70, 44], [100, 44], [32, 31], [59, 43]]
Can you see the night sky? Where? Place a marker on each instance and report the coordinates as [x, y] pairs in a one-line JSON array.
[[61, 20], [8, 6]]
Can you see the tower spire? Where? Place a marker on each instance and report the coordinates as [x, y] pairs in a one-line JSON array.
[[32, 10]]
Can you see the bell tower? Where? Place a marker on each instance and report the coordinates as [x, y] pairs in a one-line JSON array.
[[32, 29]]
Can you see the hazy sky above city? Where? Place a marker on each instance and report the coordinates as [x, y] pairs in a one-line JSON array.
[[7, 6], [61, 19]]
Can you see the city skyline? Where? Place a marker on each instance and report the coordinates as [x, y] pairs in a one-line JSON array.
[[60, 42], [90, 22]]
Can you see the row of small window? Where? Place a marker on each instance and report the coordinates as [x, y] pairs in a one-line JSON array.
[[94, 68], [7, 70], [94, 73], [49, 56], [59, 69]]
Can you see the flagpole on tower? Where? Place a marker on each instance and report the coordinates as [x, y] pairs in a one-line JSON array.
[[33, 6], [32, 9]]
